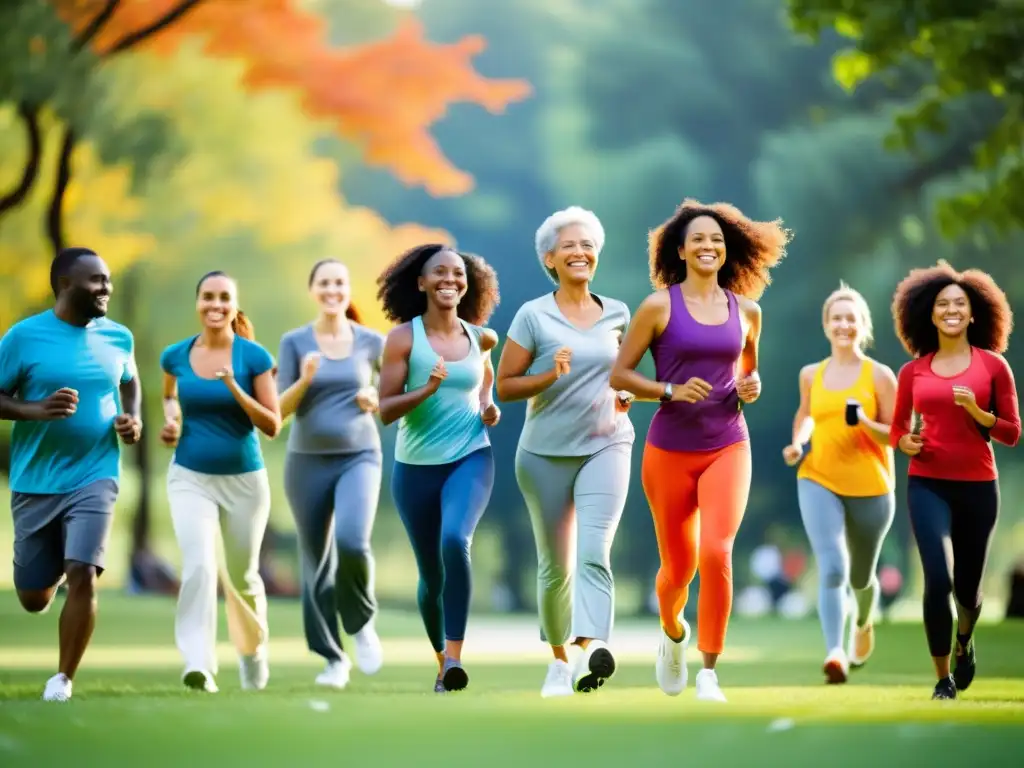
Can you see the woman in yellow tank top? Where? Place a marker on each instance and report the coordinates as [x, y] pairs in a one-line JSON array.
[[845, 483]]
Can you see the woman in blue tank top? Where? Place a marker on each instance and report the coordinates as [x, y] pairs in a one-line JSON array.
[[436, 381]]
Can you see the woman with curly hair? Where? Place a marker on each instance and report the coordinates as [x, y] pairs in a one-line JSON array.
[[436, 380], [845, 484], [955, 397], [708, 263], [573, 459]]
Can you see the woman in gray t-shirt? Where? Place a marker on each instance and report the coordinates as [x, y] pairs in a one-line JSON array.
[[327, 377], [574, 454]]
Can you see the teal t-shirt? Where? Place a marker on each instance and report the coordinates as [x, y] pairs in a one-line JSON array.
[[448, 425], [217, 437], [42, 354]]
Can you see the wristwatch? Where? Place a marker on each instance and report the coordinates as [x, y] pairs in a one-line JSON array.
[[666, 396]]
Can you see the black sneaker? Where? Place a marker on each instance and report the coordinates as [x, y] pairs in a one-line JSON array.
[[945, 689], [966, 664]]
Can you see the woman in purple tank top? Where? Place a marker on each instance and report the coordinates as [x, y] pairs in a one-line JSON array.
[[708, 265]]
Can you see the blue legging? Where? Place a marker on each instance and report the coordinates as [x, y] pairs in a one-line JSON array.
[[440, 506]]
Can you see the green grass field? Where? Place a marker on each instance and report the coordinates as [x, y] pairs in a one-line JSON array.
[[129, 707]]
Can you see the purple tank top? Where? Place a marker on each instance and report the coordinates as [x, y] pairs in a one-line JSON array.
[[686, 349]]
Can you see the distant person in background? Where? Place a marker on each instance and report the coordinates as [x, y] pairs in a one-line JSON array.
[[573, 459], [219, 393], [952, 400], [436, 381], [68, 381], [332, 471], [845, 485], [708, 264]]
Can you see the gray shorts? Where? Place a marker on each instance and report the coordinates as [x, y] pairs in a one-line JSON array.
[[52, 528]]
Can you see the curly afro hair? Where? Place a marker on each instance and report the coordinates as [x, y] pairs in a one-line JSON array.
[[752, 248], [402, 300], [914, 301]]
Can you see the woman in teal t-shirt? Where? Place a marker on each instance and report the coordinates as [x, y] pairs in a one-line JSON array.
[[219, 390], [436, 381]]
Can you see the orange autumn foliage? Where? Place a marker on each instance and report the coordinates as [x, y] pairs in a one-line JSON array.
[[383, 95]]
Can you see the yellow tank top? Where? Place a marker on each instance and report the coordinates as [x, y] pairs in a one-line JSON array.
[[846, 460]]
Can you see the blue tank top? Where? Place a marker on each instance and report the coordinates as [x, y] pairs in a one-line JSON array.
[[447, 425]]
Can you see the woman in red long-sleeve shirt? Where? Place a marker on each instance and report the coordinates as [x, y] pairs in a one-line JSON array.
[[952, 401]]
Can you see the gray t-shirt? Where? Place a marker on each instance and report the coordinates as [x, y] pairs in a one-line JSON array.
[[576, 415], [328, 420]]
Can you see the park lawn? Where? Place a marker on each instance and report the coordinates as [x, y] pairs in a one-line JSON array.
[[129, 707]]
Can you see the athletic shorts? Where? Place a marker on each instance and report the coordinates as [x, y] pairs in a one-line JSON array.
[[50, 529]]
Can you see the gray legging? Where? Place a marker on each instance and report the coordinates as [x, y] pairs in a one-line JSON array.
[[334, 501], [846, 534], [564, 494]]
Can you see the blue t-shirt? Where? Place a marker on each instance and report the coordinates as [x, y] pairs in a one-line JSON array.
[[42, 354], [217, 437]]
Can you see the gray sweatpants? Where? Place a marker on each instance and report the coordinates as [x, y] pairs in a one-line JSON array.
[[334, 498], [575, 504], [846, 534]]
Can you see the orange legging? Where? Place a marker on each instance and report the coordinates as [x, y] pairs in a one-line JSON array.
[[677, 483]]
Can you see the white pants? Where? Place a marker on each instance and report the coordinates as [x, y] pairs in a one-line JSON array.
[[203, 506]]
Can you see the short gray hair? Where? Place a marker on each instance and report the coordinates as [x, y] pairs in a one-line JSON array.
[[547, 234]]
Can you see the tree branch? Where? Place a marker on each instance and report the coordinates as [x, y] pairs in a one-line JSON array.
[[35, 152], [95, 25], [146, 32], [55, 219]]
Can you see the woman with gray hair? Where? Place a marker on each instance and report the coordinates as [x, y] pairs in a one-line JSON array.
[[574, 453]]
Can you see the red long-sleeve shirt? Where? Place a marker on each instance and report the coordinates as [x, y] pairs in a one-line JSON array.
[[954, 446]]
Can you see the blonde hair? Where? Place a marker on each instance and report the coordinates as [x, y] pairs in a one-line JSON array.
[[846, 293]]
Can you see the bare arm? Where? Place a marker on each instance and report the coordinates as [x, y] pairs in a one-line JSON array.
[[488, 341], [648, 323], [749, 356], [885, 400], [15, 409], [394, 401], [803, 424], [513, 384], [263, 410], [172, 410]]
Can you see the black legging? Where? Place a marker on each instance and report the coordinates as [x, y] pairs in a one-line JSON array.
[[953, 521]]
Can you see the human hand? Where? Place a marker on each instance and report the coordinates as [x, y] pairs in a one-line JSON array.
[[367, 400], [749, 387], [623, 400], [128, 428], [225, 374], [310, 365], [491, 415], [170, 433], [911, 444], [791, 454], [437, 374], [59, 405], [563, 360], [693, 391], [964, 397]]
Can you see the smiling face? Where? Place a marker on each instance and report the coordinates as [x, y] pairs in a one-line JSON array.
[[574, 257], [88, 286], [703, 247], [843, 324], [952, 311], [217, 302], [444, 279], [331, 288]]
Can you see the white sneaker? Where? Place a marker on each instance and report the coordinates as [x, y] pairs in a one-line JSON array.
[[836, 666], [670, 668], [58, 688], [369, 652], [335, 674], [707, 686], [861, 644], [199, 680], [558, 681], [593, 667], [254, 671]]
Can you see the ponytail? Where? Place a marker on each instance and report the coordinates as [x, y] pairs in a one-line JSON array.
[[242, 326], [353, 314]]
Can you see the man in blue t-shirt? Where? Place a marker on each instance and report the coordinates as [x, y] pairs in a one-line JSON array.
[[68, 381]]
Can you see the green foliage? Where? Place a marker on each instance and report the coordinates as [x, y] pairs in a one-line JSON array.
[[968, 50]]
